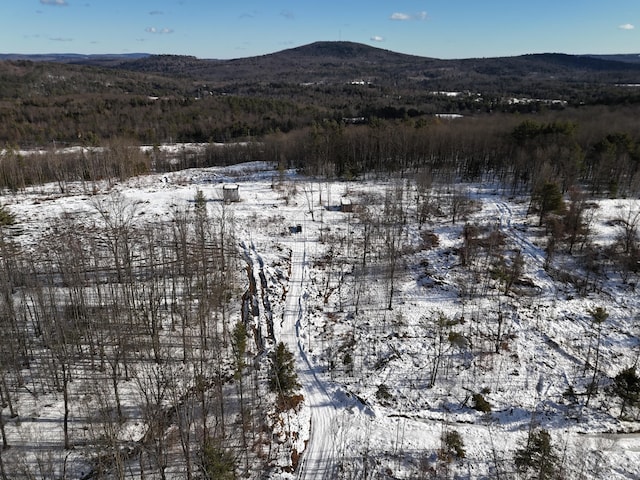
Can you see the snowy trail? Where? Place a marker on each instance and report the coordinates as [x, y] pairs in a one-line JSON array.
[[535, 256], [505, 214], [320, 457]]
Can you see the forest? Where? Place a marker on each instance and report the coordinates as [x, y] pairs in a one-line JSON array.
[[596, 147], [420, 279]]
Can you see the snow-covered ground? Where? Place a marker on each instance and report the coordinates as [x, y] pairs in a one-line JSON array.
[[382, 385]]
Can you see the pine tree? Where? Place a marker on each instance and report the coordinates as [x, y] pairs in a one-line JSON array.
[[548, 197], [284, 380], [200, 202], [452, 445], [627, 387], [217, 463], [538, 456]]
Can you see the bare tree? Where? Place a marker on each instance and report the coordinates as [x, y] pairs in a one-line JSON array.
[[394, 222], [117, 214], [153, 386], [598, 316], [576, 226], [460, 205]]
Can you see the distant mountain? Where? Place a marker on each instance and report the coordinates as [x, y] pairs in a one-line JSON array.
[[625, 57], [343, 62], [71, 57], [340, 52], [347, 61], [345, 51], [33, 76]]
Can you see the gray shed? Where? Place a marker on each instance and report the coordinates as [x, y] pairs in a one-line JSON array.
[[230, 192], [346, 205]]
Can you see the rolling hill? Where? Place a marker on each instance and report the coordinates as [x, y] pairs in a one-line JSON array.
[[329, 62]]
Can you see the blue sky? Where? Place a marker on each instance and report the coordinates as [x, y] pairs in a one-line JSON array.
[[242, 28]]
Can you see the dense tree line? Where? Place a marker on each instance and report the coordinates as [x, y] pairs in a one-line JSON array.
[[116, 160], [94, 119], [202, 115], [595, 147]]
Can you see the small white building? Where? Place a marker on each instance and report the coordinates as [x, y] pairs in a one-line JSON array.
[[230, 192]]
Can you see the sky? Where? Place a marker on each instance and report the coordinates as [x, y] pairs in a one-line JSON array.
[[244, 28]]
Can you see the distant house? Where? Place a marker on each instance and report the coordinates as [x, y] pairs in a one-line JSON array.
[[346, 205], [230, 192]]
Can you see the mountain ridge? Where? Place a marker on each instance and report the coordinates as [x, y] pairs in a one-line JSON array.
[[330, 67], [342, 61], [329, 48]]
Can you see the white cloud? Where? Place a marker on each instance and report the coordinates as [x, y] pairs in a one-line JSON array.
[[626, 26], [377, 38], [406, 16], [55, 3], [400, 16], [61, 39], [159, 31]]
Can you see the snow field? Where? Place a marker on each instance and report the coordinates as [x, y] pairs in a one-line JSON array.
[[433, 349]]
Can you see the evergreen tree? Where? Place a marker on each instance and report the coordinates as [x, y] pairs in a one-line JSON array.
[[627, 387], [216, 462], [284, 379], [452, 445], [538, 459], [548, 198], [200, 203]]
